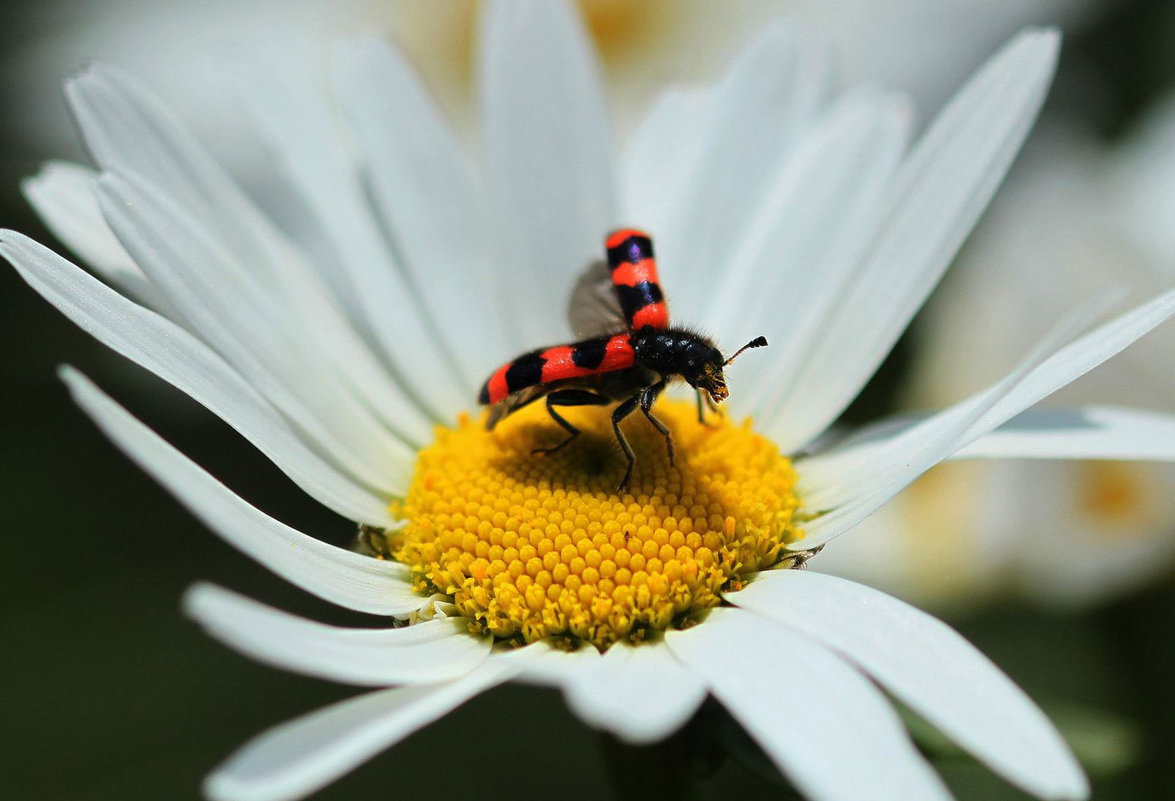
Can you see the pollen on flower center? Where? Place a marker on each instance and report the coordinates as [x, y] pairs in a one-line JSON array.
[[533, 546]]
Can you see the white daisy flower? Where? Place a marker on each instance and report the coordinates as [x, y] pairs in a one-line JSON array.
[[349, 347], [1058, 531]]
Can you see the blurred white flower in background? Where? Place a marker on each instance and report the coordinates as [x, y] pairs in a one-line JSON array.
[[175, 46], [1077, 217], [928, 46]]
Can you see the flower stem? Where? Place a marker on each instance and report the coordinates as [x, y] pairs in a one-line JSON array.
[[664, 770]]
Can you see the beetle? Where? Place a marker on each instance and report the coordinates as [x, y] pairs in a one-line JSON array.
[[632, 355]]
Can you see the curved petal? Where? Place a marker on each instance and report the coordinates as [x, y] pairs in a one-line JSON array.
[[858, 479], [660, 156], [1089, 432], [423, 653], [544, 665], [931, 668], [177, 357], [767, 97], [425, 191], [124, 126], [310, 148], [855, 478], [63, 196], [809, 231], [336, 575], [131, 134], [547, 154], [939, 194], [234, 314], [830, 731], [294, 759], [640, 693]]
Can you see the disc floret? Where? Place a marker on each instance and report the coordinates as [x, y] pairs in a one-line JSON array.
[[534, 547]]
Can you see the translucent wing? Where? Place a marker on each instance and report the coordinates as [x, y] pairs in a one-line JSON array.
[[513, 403], [594, 308]]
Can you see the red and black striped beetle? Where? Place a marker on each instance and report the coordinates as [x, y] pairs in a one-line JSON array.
[[631, 358]]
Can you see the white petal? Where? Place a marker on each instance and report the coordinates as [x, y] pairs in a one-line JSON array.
[[423, 653], [639, 693], [188, 364], [130, 133], [810, 229], [548, 159], [311, 150], [939, 194], [1089, 432], [1076, 359], [294, 759], [337, 575], [857, 476], [770, 92], [830, 731], [424, 188], [62, 194], [125, 127], [929, 667], [544, 665], [660, 157], [861, 478], [811, 250], [235, 315]]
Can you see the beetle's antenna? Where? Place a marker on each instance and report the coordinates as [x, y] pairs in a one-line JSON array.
[[757, 342]]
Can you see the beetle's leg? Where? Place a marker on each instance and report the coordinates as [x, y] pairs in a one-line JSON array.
[[619, 413], [799, 559], [702, 396], [648, 398], [569, 397]]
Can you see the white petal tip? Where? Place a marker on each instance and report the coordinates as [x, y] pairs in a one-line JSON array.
[[1045, 43], [69, 374], [81, 389], [1069, 783], [79, 81], [221, 787], [92, 70], [196, 599]]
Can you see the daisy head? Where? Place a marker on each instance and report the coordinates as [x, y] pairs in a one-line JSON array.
[[591, 531]]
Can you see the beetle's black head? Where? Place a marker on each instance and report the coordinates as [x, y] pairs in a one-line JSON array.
[[678, 351], [707, 376], [701, 367]]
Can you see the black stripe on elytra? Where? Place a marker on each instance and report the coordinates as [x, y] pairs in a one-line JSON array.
[[635, 298], [526, 371], [590, 354], [631, 250]]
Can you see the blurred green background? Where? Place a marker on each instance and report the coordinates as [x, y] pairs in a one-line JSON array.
[[107, 692]]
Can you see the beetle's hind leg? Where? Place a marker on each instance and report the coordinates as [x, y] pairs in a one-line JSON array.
[[569, 397], [648, 398]]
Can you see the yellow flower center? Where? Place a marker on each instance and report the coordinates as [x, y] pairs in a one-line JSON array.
[[536, 546]]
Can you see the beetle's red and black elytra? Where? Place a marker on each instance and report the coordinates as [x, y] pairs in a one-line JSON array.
[[630, 360]]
